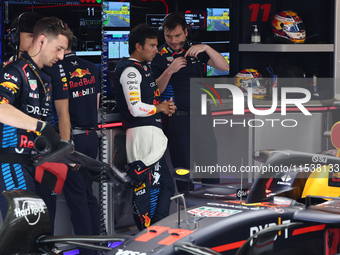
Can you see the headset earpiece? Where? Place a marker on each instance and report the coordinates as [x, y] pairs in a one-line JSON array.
[[14, 37], [14, 34]]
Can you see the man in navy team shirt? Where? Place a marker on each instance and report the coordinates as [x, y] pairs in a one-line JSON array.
[[78, 81], [177, 61]]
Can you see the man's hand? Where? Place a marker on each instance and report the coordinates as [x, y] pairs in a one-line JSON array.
[[172, 107], [51, 136], [167, 107], [194, 50], [177, 64]]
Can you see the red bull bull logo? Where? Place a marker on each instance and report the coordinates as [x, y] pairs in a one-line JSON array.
[[164, 50], [142, 186], [79, 73], [152, 112], [147, 220], [157, 93], [65, 86], [336, 175], [4, 100], [10, 85]]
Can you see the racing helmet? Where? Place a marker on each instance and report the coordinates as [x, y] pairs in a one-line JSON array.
[[251, 78], [289, 25]]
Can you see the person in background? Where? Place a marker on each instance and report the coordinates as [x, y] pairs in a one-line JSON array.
[[25, 101], [77, 81], [138, 100], [177, 61], [21, 33]]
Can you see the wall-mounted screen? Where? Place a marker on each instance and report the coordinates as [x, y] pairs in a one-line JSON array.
[[116, 14], [83, 18], [214, 72], [196, 18], [218, 19], [117, 43], [155, 20]]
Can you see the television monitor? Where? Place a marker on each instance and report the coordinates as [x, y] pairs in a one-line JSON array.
[[117, 44], [196, 18], [218, 19], [115, 47], [214, 72], [116, 14], [84, 19], [155, 20]]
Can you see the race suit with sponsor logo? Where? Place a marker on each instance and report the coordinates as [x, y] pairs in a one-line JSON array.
[[187, 122], [79, 81], [137, 94], [26, 87]]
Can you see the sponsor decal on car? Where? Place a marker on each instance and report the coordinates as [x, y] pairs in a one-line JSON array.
[[31, 211], [182, 171], [213, 211], [285, 180], [127, 252]]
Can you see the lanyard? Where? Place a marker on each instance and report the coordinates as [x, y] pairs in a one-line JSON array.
[[36, 73]]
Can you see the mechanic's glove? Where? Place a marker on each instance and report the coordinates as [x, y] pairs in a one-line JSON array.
[[51, 136]]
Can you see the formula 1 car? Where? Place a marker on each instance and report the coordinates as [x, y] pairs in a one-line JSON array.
[[214, 227], [211, 228]]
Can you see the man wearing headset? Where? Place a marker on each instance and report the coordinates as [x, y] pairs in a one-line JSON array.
[[21, 33], [176, 62], [20, 39], [25, 105]]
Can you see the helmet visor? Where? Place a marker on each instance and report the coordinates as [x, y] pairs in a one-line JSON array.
[[295, 27], [254, 83]]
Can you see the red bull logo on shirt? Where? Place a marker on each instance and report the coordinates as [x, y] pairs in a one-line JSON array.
[[82, 82], [164, 50], [10, 85], [79, 73], [4, 100], [65, 86]]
